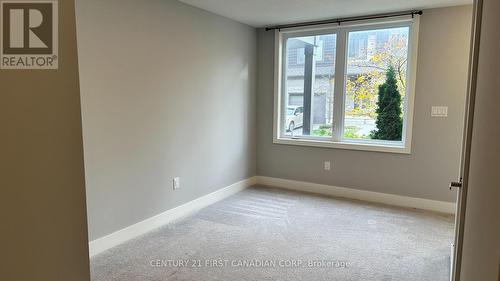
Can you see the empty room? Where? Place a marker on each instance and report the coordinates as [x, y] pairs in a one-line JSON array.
[[250, 140]]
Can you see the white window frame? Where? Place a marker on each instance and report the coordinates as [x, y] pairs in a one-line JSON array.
[[337, 140]]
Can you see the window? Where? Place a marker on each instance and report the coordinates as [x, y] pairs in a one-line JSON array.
[[346, 87], [309, 86]]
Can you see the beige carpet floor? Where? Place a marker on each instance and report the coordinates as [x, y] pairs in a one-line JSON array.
[[271, 234]]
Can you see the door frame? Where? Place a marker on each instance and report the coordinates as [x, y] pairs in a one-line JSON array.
[[467, 139]]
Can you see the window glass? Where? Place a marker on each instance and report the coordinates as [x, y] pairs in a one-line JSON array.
[[375, 84], [309, 74]]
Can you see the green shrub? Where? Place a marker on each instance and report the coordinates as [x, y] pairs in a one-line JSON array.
[[322, 133], [389, 121]]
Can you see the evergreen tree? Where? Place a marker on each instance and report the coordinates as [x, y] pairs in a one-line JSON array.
[[389, 121]]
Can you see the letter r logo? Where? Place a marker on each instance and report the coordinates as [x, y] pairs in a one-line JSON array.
[[27, 28], [29, 34]]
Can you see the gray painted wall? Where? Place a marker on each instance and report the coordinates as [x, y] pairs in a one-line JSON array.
[[43, 229], [481, 248], [167, 90], [434, 161]]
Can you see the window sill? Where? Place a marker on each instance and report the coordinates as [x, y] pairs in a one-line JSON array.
[[349, 145]]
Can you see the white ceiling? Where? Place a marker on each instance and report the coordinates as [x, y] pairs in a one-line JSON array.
[[259, 13]]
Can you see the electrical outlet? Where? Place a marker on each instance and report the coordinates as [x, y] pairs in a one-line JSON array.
[[177, 183], [327, 165]]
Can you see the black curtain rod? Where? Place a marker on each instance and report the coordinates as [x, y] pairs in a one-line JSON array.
[[341, 20]]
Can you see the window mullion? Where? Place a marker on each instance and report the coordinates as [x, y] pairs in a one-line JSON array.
[[283, 83], [339, 87]]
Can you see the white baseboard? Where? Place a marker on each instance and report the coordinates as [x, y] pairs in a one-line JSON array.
[[385, 198], [109, 241]]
